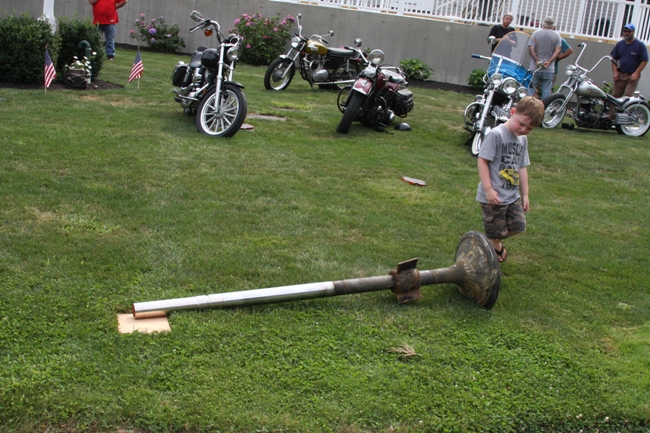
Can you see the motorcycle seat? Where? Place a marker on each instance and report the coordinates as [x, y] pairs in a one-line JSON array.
[[622, 100], [196, 58], [341, 52]]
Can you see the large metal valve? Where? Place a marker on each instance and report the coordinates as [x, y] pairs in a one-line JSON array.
[[475, 272]]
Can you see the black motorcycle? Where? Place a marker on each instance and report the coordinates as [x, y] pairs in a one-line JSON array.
[[318, 64], [378, 95], [206, 88]]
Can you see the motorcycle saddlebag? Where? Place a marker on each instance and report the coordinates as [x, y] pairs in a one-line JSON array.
[[178, 76], [405, 102]]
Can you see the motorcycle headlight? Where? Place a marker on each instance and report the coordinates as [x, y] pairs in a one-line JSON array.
[[509, 86], [522, 92], [295, 42], [495, 79], [233, 54], [570, 69], [376, 57]]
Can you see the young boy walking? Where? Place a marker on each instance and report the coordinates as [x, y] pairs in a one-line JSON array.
[[502, 169]]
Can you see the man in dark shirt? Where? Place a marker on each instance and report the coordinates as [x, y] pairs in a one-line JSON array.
[[500, 30], [632, 56]]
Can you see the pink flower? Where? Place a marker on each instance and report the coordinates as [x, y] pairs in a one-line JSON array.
[[152, 40], [131, 31], [237, 21], [264, 37], [275, 29], [248, 46], [249, 23], [141, 15], [153, 20], [283, 23]]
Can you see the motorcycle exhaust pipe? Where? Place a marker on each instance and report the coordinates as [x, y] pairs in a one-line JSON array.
[[475, 272]]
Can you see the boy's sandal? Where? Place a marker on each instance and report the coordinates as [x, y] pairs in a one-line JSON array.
[[501, 255]]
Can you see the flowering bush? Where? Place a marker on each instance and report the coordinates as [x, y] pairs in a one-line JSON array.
[[158, 35], [264, 38]]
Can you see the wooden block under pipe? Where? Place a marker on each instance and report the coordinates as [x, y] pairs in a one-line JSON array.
[[128, 324]]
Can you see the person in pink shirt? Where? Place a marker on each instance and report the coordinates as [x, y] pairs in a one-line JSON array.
[[105, 15]]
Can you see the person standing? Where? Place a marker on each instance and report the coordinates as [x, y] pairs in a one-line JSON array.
[[565, 51], [500, 30], [503, 173], [105, 15], [632, 57], [544, 48]]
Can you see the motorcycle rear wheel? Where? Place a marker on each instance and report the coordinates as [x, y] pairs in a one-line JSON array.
[[344, 94], [553, 115], [351, 111], [344, 72], [639, 128], [273, 79], [228, 118]]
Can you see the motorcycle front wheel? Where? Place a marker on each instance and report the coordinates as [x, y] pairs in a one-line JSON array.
[[554, 112], [224, 117], [275, 77], [351, 111], [641, 126], [477, 139]]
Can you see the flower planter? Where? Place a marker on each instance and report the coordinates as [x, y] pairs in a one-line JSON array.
[[76, 78]]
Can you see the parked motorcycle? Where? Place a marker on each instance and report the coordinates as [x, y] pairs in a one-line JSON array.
[[206, 87], [593, 106], [506, 82], [317, 63], [376, 97]]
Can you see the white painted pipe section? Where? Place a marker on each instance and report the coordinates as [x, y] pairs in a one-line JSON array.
[[143, 310], [48, 13]]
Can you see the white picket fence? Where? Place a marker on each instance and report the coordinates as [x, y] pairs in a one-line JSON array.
[[601, 19]]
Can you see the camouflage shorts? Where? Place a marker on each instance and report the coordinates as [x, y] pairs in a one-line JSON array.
[[503, 220]]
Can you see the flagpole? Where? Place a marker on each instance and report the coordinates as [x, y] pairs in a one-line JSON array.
[[45, 81]]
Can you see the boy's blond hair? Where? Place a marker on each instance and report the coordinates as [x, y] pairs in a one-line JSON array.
[[532, 108]]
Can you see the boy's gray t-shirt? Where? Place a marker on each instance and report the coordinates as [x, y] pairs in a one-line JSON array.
[[507, 153]]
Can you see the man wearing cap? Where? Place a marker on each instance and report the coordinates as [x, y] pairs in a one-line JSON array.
[[544, 48], [632, 56]]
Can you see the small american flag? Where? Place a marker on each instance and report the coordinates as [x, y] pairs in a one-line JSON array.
[[50, 73], [136, 70]]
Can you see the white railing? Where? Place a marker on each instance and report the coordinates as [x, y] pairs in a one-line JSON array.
[[601, 19]]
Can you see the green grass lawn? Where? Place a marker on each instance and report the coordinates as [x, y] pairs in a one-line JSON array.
[[112, 197]]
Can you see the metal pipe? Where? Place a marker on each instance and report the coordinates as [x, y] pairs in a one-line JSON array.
[[476, 272]]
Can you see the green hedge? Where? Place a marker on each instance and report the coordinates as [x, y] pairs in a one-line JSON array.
[[72, 32], [22, 57]]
